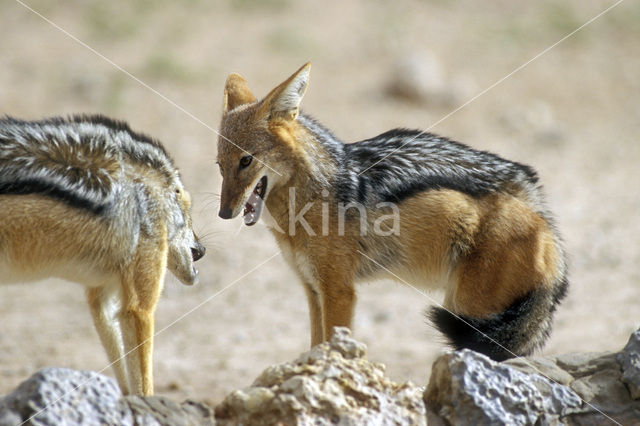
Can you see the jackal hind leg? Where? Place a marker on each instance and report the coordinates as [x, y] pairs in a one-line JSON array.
[[142, 289], [103, 311]]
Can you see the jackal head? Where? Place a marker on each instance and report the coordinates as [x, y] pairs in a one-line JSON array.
[[184, 246], [256, 147]]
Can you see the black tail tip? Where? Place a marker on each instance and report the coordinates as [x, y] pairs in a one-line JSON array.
[[464, 332]]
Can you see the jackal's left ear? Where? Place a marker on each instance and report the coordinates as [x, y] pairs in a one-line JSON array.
[[236, 93], [284, 100]]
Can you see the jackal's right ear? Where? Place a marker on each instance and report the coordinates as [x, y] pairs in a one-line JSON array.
[[284, 100], [236, 93]]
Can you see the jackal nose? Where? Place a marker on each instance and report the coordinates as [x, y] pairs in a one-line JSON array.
[[225, 213], [198, 251]]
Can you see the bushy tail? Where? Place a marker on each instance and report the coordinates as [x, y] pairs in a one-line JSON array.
[[517, 331]]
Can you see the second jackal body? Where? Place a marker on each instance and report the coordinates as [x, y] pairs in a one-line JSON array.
[[90, 201], [468, 222]]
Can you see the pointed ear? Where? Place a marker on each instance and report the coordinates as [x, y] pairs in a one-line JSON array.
[[236, 93], [284, 100]]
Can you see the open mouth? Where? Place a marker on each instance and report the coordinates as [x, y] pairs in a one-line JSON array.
[[253, 207]]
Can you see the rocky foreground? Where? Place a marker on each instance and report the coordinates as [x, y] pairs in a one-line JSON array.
[[334, 383]]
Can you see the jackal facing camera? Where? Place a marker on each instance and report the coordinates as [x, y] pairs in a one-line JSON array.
[[88, 200], [406, 205]]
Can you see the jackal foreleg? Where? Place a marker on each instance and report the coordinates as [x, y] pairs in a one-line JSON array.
[[105, 319], [142, 288], [338, 301]]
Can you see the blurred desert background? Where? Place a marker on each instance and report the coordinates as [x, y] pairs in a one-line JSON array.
[[573, 114]]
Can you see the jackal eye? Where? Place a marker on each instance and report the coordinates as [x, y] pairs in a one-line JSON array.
[[245, 161]]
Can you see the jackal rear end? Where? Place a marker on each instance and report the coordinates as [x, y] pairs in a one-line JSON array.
[[468, 222], [88, 200]]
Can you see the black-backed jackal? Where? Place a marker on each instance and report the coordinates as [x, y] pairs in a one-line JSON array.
[[88, 200], [404, 204]]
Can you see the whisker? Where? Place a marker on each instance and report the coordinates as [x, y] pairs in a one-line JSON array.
[[207, 193], [239, 229]]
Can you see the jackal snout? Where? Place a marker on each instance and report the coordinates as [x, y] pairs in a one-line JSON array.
[[225, 212], [184, 246], [183, 252], [235, 188]]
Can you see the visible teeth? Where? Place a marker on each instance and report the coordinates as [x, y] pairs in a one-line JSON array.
[[259, 189], [253, 206]]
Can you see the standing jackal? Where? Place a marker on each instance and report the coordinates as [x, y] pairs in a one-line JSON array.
[[463, 220], [88, 200]]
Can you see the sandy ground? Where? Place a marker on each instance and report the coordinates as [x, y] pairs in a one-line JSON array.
[[574, 114]]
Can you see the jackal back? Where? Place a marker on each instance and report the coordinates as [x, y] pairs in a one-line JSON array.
[[94, 186]]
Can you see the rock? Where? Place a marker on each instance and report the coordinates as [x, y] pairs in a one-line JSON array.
[[603, 390], [572, 389], [584, 364], [537, 119], [469, 388], [540, 365], [332, 383], [159, 410], [8, 418], [419, 78], [629, 360], [60, 396]]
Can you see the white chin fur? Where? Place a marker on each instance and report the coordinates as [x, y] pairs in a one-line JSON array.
[[186, 275]]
